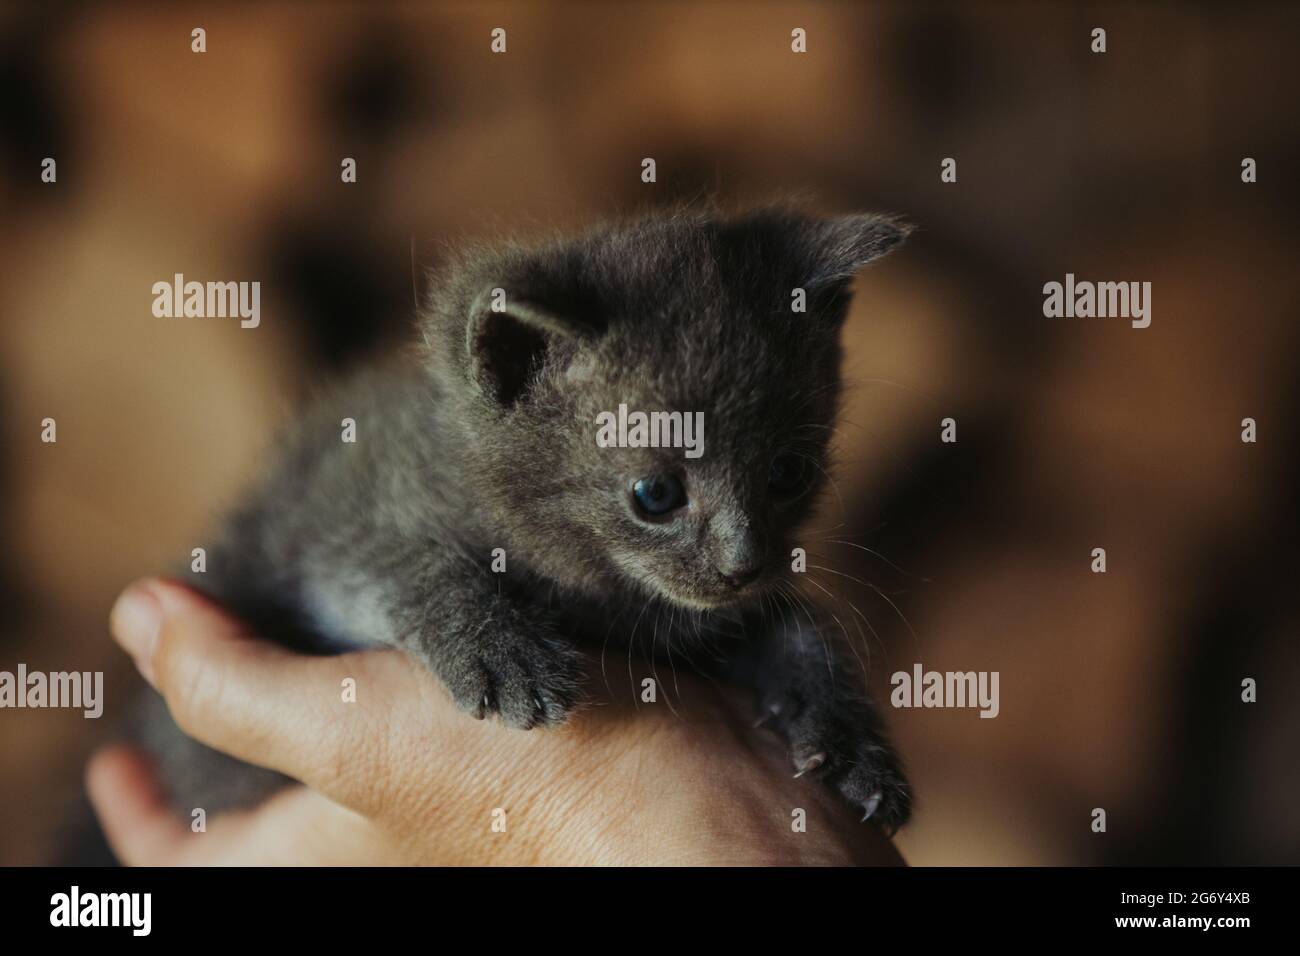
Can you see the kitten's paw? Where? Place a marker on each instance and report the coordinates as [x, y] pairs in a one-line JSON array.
[[836, 742], [872, 780], [528, 679]]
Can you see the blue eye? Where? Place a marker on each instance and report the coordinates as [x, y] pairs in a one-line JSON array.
[[788, 474], [659, 495]]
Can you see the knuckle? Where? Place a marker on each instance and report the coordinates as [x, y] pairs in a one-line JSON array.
[[191, 685]]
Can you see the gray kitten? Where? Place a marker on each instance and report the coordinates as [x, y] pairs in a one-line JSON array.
[[487, 440]]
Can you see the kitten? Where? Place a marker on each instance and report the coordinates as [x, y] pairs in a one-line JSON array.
[[487, 440]]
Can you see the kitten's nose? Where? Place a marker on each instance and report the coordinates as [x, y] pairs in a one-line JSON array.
[[736, 548], [739, 560]]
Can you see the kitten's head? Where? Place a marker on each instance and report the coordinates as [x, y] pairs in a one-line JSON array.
[[691, 313]]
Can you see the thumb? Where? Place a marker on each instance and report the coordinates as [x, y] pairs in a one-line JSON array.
[[248, 698]]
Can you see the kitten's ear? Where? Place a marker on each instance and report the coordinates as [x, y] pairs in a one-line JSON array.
[[509, 337], [839, 247]]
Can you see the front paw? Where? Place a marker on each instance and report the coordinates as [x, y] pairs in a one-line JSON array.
[[837, 740], [520, 670]]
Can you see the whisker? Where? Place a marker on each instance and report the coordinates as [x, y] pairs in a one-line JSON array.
[[877, 554], [636, 699], [847, 639], [901, 616], [800, 601]]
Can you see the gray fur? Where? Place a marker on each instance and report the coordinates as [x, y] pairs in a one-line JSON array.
[[485, 438]]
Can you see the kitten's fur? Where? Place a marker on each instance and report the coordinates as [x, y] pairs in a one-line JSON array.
[[487, 440]]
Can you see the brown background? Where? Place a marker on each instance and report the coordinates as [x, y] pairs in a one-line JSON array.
[[1118, 690]]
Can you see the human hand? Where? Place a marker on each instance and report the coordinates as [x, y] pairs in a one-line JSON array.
[[400, 776]]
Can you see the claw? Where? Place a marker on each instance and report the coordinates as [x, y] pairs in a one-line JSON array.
[[872, 804], [773, 711], [812, 763]]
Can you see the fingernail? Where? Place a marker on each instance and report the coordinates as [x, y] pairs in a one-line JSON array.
[[136, 619]]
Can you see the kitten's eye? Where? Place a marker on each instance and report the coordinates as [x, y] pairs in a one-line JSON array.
[[788, 474], [659, 495]]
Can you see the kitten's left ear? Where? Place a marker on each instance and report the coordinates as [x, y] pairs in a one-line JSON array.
[[841, 246], [510, 334]]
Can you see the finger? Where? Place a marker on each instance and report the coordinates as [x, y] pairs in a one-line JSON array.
[[143, 830], [132, 808], [257, 701]]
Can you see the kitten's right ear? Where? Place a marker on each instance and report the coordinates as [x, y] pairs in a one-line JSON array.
[[509, 337], [833, 250], [844, 244]]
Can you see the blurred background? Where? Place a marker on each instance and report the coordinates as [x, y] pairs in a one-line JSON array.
[[1118, 690]]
